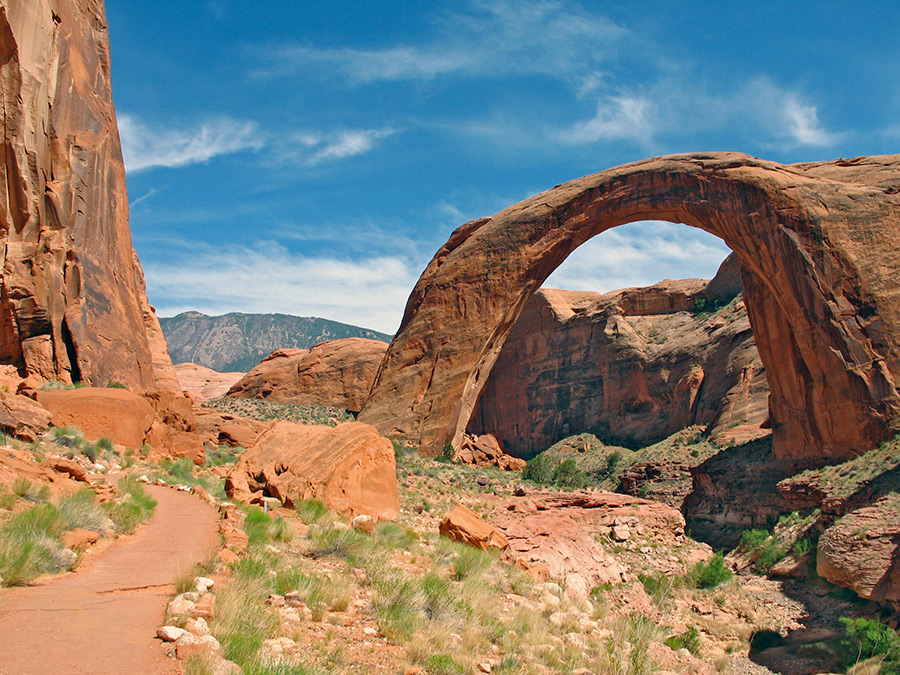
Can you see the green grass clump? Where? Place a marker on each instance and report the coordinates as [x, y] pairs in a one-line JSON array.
[[443, 664], [689, 640], [243, 620], [710, 573], [24, 489], [82, 510], [313, 512], [263, 529], [133, 508], [30, 545], [223, 455]]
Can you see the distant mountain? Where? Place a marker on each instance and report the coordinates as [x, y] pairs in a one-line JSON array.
[[237, 342]]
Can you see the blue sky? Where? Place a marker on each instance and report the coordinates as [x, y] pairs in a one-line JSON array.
[[310, 157]]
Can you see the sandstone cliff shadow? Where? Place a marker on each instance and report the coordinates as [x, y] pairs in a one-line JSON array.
[[735, 490]]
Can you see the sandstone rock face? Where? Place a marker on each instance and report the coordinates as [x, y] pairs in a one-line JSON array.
[[203, 384], [72, 296], [350, 468], [337, 373], [632, 366], [117, 414], [861, 552], [22, 417], [465, 526], [819, 251]]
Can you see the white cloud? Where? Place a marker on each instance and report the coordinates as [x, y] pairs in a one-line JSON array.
[[803, 123], [369, 292], [640, 254], [491, 38], [346, 143], [145, 146], [617, 118]]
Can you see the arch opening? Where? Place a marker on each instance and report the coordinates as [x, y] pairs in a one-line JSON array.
[[823, 314], [630, 362]]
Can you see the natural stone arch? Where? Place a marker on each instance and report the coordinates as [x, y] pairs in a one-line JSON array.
[[819, 249]]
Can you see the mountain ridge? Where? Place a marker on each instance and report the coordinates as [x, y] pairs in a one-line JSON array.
[[237, 341]]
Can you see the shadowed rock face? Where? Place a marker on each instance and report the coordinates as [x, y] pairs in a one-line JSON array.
[[72, 298], [819, 251], [633, 366]]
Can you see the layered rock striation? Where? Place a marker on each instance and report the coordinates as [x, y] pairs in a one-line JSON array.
[[72, 300], [632, 366], [819, 251]]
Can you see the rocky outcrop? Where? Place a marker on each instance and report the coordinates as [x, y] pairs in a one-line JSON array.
[[22, 417], [203, 384], [336, 373], [485, 450], [862, 552], [819, 250], [117, 414], [632, 366], [71, 291], [350, 468], [465, 526]]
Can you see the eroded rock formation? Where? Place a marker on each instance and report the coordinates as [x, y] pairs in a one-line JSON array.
[[632, 366], [336, 373], [819, 250], [72, 298], [203, 384], [350, 468]]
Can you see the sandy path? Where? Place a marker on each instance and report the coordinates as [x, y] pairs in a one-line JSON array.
[[103, 619]]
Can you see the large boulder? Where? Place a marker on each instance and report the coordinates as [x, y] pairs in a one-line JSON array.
[[818, 246], [350, 468], [465, 526], [336, 373], [862, 551], [117, 414], [22, 417]]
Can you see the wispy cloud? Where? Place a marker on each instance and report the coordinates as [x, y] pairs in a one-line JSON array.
[[640, 254], [617, 118], [491, 38], [314, 148], [369, 292], [757, 108], [145, 146]]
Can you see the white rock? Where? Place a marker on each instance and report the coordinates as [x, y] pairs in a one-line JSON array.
[[144, 479], [203, 584], [368, 630], [180, 606], [169, 633], [620, 532], [197, 626]]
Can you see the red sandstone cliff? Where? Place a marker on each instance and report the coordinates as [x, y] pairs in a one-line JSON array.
[[72, 298]]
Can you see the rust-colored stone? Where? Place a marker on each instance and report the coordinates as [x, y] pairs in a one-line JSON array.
[[350, 468], [73, 301], [338, 373], [464, 525], [22, 417], [819, 251], [117, 414]]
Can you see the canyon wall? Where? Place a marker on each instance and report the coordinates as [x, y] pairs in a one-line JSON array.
[[631, 366], [72, 301]]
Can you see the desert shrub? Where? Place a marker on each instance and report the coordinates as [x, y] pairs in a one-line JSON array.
[[567, 474], [443, 664], [114, 384], [243, 620], [710, 573], [291, 667], [866, 638], [690, 640], [7, 499], [470, 561], [397, 603], [182, 469], [30, 545], [612, 462], [393, 536], [24, 489], [338, 543], [766, 546], [312, 511], [104, 444], [539, 469], [659, 586], [753, 539], [82, 510], [132, 508], [223, 454]]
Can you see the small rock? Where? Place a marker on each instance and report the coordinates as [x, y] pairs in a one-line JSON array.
[[180, 606], [188, 645], [205, 607], [203, 584], [161, 482], [368, 630], [293, 599], [169, 633], [485, 666], [620, 532], [143, 479], [197, 626], [275, 600], [364, 523]]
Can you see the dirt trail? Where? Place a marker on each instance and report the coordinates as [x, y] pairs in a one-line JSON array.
[[103, 619]]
